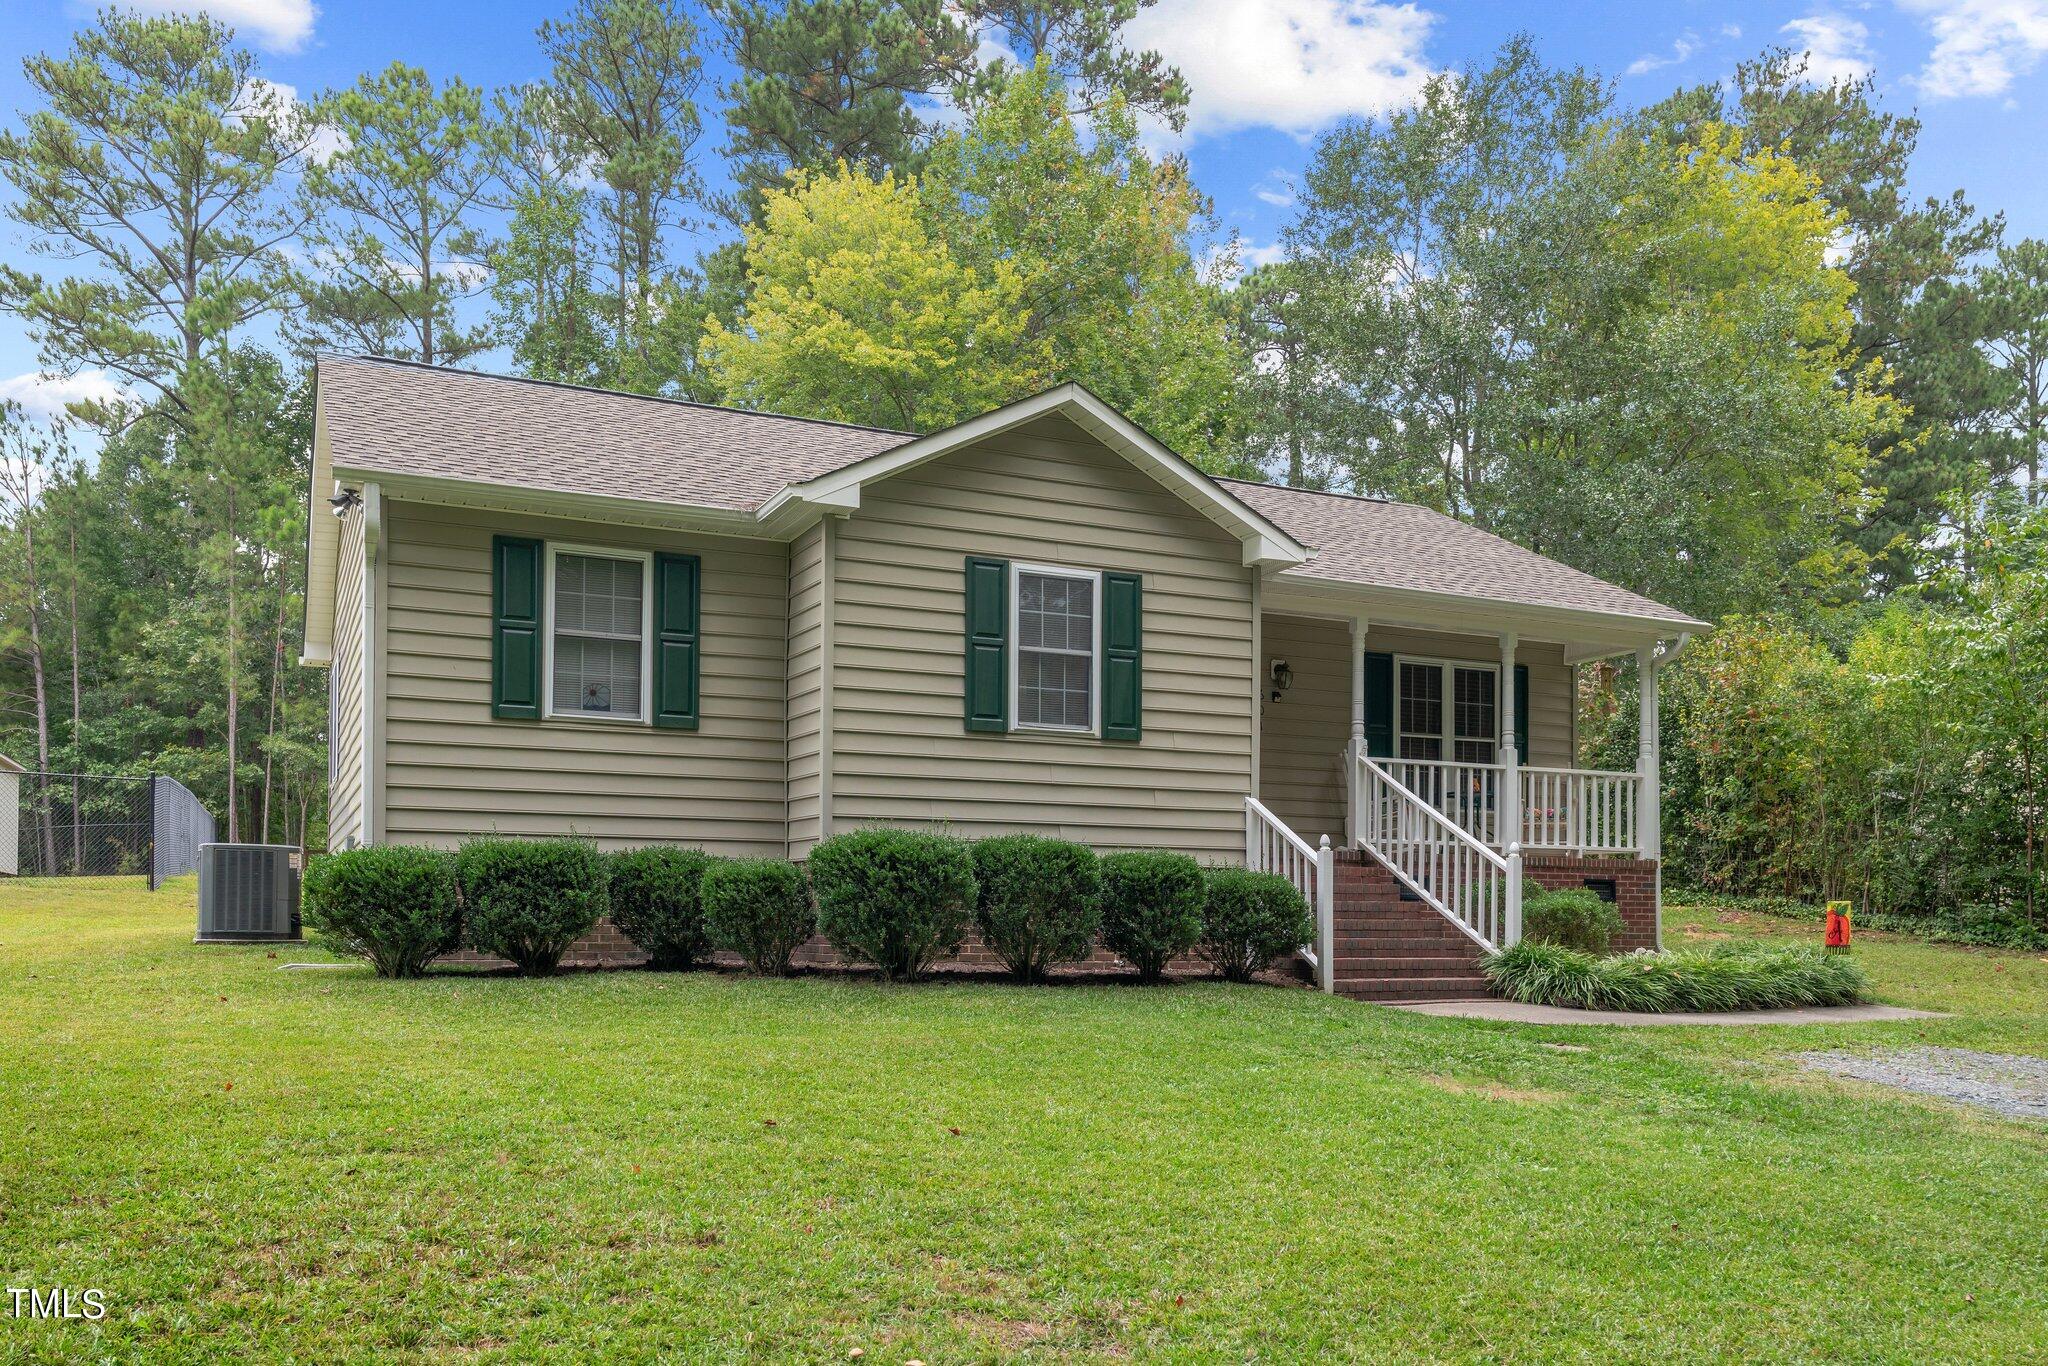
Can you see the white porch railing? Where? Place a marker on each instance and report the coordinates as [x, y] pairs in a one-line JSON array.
[[1583, 810], [1577, 810], [1270, 847], [1446, 865]]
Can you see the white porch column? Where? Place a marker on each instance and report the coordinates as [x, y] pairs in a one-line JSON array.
[[1649, 830], [1356, 746], [1508, 806]]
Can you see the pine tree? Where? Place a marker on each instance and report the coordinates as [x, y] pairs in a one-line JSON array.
[[821, 82]]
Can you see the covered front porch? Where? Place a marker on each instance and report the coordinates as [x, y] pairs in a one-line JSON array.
[[1444, 748]]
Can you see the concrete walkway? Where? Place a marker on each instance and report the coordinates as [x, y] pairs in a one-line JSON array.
[[1516, 1013]]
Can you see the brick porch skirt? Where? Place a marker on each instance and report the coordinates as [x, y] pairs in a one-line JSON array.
[[606, 947], [1635, 889]]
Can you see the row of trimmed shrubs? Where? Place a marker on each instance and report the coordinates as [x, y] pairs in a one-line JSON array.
[[898, 900]]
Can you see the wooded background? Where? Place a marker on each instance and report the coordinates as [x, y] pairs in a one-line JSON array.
[[1709, 349]]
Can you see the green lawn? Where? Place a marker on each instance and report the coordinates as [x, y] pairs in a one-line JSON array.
[[322, 1165]]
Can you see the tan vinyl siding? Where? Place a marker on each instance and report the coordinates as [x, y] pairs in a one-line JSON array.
[[1048, 494], [807, 611], [1303, 735], [345, 689], [452, 769]]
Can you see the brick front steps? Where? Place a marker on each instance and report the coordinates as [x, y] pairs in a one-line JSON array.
[[1389, 949]]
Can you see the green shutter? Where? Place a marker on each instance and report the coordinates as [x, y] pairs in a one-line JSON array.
[[988, 644], [1123, 657], [515, 627], [677, 595], [1379, 705], [1522, 713]]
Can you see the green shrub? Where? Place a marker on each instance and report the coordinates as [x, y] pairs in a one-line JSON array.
[[657, 901], [899, 899], [1035, 901], [1726, 977], [1249, 919], [529, 900], [760, 909], [1151, 908], [1573, 917], [395, 905]]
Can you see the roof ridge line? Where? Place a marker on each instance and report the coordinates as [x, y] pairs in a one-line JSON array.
[[614, 393], [1321, 493]]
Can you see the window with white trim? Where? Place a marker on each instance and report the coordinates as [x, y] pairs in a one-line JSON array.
[[1055, 648], [1446, 709], [598, 605]]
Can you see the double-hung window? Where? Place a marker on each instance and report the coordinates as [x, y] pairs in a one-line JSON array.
[[599, 604], [1448, 710], [1058, 641]]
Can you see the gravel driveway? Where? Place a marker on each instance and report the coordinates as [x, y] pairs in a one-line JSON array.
[[2009, 1083]]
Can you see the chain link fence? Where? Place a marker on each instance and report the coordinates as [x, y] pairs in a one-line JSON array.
[[108, 825]]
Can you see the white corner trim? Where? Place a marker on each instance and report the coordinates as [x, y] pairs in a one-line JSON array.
[[371, 815], [828, 645]]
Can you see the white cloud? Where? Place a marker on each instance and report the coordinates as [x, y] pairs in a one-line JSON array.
[[1295, 65], [1277, 189], [43, 395], [1980, 46], [1836, 47], [1682, 47], [277, 25]]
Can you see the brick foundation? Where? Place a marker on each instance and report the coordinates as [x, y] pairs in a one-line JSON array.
[[606, 947], [1635, 889]]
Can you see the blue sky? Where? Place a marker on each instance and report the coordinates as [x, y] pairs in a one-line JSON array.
[[1268, 75]]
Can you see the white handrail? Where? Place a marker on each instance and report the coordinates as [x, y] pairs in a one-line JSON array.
[[1270, 847], [1445, 864]]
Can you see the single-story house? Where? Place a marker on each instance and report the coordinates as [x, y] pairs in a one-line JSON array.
[[551, 609]]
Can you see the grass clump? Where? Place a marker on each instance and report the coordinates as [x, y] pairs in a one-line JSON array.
[[1726, 977]]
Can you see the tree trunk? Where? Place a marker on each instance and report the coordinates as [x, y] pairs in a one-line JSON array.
[[77, 710], [276, 698], [35, 661], [234, 683]]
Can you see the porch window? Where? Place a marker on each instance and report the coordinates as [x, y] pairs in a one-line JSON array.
[[1449, 710], [597, 644], [1058, 640]]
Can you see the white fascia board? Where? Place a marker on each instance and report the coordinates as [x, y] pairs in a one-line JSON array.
[[1265, 543], [520, 500], [1595, 632], [323, 549]]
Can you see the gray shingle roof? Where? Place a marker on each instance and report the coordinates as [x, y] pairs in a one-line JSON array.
[[1402, 546], [395, 417], [399, 418]]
